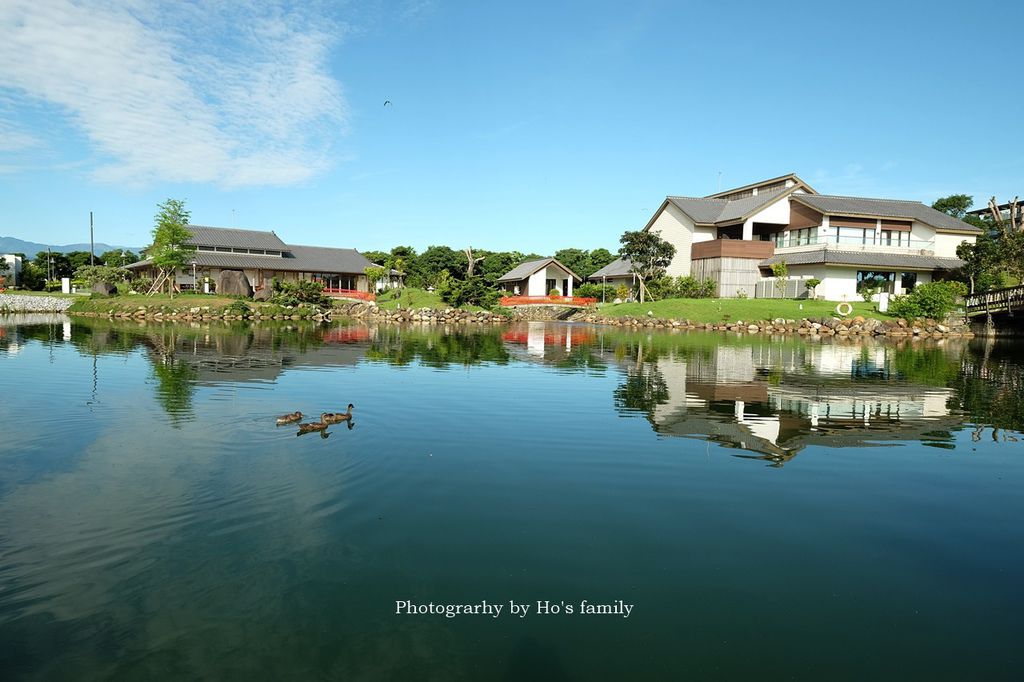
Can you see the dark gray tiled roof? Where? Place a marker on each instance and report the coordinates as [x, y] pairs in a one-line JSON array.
[[323, 259], [620, 267], [706, 210], [296, 259], [524, 270], [235, 238], [884, 208], [871, 258], [700, 210], [740, 208]]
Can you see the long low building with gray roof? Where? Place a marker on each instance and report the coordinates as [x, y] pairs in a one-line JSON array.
[[263, 256]]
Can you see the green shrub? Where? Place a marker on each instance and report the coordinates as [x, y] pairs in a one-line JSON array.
[[473, 291], [91, 274], [238, 307], [622, 292], [554, 292], [934, 300], [587, 289], [812, 286], [302, 291], [681, 287]]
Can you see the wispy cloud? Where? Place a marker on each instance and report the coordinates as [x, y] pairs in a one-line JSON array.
[[197, 92]]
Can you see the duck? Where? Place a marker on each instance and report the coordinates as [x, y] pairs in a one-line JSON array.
[[334, 417], [289, 418], [313, 426]]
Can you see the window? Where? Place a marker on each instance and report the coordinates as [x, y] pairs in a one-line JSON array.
[[882, 281], [550, 284], [894, 238], [908, 281]]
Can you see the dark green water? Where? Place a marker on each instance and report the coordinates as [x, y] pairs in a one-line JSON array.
[[769, 509]]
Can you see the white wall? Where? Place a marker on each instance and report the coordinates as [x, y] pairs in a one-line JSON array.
[[12, 273], [676, 228], [537, 284], [776, 212], [945, 244]]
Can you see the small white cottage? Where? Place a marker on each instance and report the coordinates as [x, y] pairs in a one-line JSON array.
[[539, 278]]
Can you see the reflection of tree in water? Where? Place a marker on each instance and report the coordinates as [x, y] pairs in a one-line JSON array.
[[644, 387], [436, 348], [175, 387], [990, 388]]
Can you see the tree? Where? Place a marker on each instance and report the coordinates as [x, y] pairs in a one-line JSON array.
[[374, 274], [53, 264], [576, 260], [981, 262], [598, 259], [170, 250], [438, 258], [648, 253], [79, 258], [812, 285], [118, 258], [780, 271], [955, 205]]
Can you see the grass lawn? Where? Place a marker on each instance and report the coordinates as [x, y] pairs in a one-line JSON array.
[[734, 309], [410, 298]]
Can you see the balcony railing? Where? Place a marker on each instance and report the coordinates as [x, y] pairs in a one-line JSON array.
[[548, 300], [854, 242], [350, 293]]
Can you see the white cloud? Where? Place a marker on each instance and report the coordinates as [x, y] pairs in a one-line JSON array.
[[185, 92]]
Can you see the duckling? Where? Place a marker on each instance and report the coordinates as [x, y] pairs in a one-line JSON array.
[[313, 426], [335, 417], [289, 418]]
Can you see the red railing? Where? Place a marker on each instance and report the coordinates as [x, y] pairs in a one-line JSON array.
[[351, 293], [548, 300]]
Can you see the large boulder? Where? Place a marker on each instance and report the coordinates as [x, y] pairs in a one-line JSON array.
[[233, 283], [104, 288], [264, 294]]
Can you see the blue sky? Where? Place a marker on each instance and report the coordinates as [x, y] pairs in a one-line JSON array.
[[529, 126]]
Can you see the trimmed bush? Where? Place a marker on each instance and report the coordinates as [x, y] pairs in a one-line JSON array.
[[934, 300]]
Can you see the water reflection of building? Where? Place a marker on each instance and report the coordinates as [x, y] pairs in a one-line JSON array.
[[546, 341], [776, 399]]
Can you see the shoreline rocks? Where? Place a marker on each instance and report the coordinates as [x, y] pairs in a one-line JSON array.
[[808, 326], [360, 310], [19, 303]]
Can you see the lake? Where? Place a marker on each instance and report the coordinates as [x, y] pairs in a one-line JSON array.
[[776, 508]]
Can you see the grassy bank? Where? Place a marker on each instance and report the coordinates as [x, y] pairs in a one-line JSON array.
[[180, 304], [735, 309], [409, 298]]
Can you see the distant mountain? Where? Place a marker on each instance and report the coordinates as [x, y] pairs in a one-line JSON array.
[[30, 249]]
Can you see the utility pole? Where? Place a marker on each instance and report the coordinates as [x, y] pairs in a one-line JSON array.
[[92, 246]]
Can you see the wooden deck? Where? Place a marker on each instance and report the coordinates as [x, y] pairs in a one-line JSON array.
[[997, 301]]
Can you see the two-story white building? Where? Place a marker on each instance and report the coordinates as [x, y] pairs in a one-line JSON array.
[[736, 236]]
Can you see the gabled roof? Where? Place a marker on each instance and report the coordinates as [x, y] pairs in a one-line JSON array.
[[620, 267], [866, 258], [524, 270], [797, 182], [235, 238], [884, 208], [711, 211]]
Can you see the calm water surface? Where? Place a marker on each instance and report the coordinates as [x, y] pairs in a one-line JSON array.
[[776, 509]]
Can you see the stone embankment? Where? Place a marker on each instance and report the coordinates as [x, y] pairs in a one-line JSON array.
[[824, 326], [369, 311], [15, 303]]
